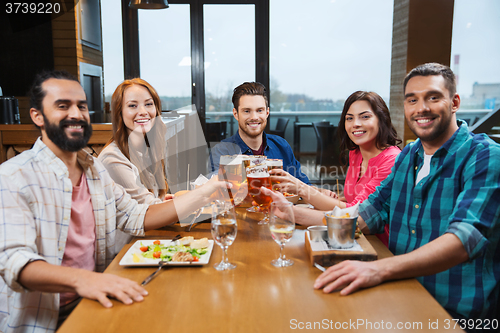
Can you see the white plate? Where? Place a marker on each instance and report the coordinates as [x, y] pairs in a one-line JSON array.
[[127, 259]]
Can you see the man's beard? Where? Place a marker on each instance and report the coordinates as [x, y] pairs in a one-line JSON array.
[[439, 130], [251, 134], [56, 134]]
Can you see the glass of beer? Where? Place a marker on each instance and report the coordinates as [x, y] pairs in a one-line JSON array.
[[250, 160], [274, 163], [257, 177], [231, 170]]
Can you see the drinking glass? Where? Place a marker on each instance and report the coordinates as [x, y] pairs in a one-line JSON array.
[[274, 163], [231, 170], [250, 160], [282, 225], [258, 176], [224, 229]]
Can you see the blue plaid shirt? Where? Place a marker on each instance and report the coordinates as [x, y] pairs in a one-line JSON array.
[[276, 147], [461, 195]]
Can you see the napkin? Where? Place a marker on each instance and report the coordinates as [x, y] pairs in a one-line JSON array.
[[352, 211], [199, 181]]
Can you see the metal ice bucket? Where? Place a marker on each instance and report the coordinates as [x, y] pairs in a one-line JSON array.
[[341, 231]]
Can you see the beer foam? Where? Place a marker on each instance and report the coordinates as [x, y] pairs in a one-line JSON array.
[[230, 160], [261, 174], [257, 159]]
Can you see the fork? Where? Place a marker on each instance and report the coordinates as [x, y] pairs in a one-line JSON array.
[[151, 277], [178, 236]]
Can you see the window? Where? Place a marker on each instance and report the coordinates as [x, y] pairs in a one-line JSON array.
[[165, 53], [474, 56], [323, 51], [229, 52], [112, 44]]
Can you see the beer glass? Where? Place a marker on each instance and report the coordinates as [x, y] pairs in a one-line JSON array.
[[282, 226], [274, 163], [250, 160], [231, 170], [257, 177]]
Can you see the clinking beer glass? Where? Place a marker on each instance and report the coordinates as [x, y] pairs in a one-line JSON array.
[[257, 177], [231, 170], [250, 160], [274, 163]]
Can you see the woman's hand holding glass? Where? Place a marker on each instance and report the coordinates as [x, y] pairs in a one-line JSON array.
[[285, 182]]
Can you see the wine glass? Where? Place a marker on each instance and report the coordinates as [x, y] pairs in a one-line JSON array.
[[224, 229], [258, 176], [282, 225]]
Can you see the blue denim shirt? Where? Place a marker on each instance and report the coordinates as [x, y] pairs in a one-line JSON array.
[[276, 147]]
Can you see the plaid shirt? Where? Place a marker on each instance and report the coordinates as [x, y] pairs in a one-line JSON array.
[[461, 195], [35, 201]]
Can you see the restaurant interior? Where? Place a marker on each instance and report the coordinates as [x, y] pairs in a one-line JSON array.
[[100, 43], [74, 39]]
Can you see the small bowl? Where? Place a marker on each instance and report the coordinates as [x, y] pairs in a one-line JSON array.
[[318, 233], [293, 199]]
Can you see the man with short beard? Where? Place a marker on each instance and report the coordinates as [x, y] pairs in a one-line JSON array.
[[251, 110], [59, 213], [442, 204]]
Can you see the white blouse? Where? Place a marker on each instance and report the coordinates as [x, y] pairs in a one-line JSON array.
[[126, 174]]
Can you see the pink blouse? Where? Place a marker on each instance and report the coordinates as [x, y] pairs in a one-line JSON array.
[[356, 189], [379, 167]]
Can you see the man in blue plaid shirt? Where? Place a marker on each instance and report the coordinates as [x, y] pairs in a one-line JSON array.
[[442, 203]]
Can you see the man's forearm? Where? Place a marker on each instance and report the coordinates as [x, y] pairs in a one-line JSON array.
[[42, 276], [437, 256], [45, 277]]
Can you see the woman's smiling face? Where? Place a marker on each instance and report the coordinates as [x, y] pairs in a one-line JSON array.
[[138, 108], [361, 124]]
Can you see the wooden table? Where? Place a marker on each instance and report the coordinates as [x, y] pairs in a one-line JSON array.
[[256, 297]]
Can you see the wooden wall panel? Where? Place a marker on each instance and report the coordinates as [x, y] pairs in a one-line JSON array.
[[24, 109], [91, 56], [64, 39], [421, 33]]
